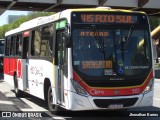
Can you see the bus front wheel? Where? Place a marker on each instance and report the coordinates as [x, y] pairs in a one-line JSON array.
[[55, 109]]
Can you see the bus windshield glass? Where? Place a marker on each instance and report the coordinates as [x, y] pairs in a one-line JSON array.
[[117, 50]]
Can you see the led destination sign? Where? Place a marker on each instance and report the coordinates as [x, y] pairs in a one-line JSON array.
[[90, 34], [95, 18], [104, 18]]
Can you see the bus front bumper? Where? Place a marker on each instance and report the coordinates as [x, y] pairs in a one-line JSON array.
[[78, 102]]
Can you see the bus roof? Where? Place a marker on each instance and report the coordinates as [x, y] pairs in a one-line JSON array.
[[105, 9], [47, 19]]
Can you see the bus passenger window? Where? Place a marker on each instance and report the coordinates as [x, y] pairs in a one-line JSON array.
[[35, 43], [46, 41], [44, 48], [18, 45], [7, 48], [12, 46]]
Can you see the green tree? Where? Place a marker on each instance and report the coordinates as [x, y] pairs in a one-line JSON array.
[[19, 21], [154, 22]]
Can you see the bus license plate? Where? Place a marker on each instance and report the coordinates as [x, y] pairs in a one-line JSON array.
[[115, 106]]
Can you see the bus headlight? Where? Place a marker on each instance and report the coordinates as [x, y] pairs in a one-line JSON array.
[[78, 88], [149, 87]]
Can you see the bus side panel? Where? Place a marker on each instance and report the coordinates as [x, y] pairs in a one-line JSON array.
[[10, 66], [38, 71], [13, 66], [6, 66]]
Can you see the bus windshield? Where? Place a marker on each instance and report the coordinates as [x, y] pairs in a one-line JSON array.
[[111, 51]]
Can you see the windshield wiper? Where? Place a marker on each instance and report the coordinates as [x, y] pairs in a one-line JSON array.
[[99, 40], [126, 40]]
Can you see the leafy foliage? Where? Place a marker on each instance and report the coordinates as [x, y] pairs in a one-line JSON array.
[[20, 20], [154, 22]]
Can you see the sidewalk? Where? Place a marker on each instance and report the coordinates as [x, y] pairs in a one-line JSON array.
[[5, 103], [5, 92], [7, 107]]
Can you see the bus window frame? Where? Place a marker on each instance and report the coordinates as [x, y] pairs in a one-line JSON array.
[[31, 39], [19, 41], [50, 45], [7, 46], [24, 53]]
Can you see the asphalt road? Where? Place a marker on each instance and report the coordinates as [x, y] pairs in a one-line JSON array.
[[8, 102]]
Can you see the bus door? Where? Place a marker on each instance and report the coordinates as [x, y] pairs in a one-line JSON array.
[[25, 62], [60, 63]]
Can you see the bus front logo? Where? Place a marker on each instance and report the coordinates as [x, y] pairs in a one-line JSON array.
[[96, 92], [116, 92]]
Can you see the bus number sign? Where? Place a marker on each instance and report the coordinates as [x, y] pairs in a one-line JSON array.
[[98, 18], [105, 18]]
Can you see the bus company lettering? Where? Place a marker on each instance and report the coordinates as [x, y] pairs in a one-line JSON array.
[[36, 71], [99, 18], [96, 92], [96, 64], [136, 67], [102, 34], [46, 20]]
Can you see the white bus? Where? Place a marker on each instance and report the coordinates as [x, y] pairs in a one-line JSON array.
[[83, 59]]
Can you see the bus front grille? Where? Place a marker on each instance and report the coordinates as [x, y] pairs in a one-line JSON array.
[[104, 103]]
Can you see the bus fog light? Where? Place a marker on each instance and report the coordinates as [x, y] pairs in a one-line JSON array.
[[78, 88], [149, 87]]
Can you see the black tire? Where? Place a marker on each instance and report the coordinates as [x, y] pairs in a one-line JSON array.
[[55, 109], [18, 92]]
